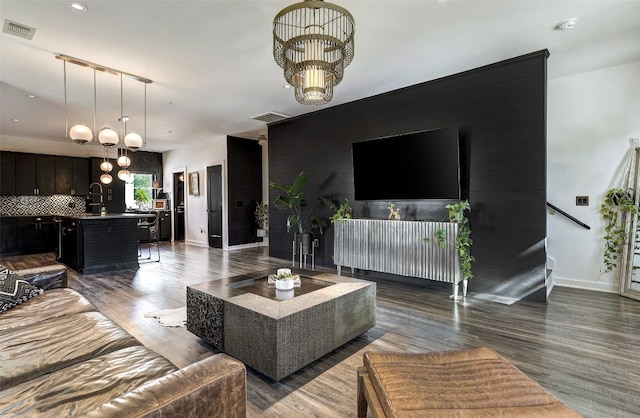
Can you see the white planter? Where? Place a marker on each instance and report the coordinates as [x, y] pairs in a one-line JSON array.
[[284, 284], [261, 233]]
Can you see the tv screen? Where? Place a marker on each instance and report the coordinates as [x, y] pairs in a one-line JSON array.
[[419, 165]]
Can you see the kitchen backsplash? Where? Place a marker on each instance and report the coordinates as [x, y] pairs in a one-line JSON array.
[[42, 205]]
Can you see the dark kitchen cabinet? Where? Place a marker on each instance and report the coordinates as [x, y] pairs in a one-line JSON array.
[[164, 224], [81, 176], [72, 176], [8, 235], [35, 174], [7, 173], [112, 194], [37, 234]]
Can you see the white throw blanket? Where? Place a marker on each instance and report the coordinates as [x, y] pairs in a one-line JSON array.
[[170, 317]]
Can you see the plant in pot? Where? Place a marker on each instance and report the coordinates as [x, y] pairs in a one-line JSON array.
[[456, 212], [292, 199], [340, 210], [262, 218], [618, 204]]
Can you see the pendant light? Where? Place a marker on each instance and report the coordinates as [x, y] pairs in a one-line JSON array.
[[108, 137], [313, 43], [80, 134]]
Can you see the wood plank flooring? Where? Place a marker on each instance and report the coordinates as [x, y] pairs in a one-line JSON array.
[[583, 346]]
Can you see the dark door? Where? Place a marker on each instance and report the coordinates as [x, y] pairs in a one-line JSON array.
[[214, 205], [178, 208]]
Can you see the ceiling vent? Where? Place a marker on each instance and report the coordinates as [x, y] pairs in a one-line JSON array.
[[18, 29], [270, 117]]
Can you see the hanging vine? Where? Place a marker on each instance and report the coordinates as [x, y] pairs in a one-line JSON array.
[[617, 204]]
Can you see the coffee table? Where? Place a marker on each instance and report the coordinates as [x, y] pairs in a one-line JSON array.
[[279, 332]]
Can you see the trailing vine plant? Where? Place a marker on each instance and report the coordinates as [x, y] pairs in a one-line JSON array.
[[457, 215], [617, 203], [463, 241]]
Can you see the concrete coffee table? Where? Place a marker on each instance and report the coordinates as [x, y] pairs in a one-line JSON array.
[[279, 332]]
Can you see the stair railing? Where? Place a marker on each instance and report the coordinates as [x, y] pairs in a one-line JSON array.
[[566, 215]]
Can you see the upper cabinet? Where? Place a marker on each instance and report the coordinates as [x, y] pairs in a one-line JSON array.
[[34, 174], [7, 173], [72, 176]]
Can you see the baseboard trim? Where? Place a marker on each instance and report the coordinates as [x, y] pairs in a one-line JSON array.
[[197, 243], [585, 284]]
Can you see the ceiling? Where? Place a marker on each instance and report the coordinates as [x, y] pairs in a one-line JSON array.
[[213, 70]]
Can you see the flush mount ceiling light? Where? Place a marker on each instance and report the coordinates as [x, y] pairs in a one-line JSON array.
[[566, 24], [81, 134], [78, 6], [313, 43]]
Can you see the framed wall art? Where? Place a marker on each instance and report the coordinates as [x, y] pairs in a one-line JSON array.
[[194, 185]]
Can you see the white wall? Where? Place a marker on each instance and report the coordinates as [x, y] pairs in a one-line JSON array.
[[590, 118], [197, 158]]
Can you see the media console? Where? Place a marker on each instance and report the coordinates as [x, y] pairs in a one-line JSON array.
[[398, 247]]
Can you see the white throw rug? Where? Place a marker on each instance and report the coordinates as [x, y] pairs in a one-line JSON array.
[[170, 317]]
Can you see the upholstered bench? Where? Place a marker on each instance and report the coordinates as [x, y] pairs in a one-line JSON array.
[[467, 383]]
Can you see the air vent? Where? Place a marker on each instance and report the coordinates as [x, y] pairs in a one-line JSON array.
[[18, 29], [270, 117]]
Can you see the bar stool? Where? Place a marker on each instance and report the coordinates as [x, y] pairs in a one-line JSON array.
[[148, 233]]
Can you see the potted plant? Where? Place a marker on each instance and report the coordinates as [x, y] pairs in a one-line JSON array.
[[618, 203], [284, 280], [262, 218], [292, 199], [456, 212], [340, 211]]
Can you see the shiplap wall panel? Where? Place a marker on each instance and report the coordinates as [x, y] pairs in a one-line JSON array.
[[500, 110]]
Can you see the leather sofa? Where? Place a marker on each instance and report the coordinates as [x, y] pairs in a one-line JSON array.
[[59, 357]]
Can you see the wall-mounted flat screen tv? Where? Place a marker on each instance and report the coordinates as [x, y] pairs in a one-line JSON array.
[[418, 165]]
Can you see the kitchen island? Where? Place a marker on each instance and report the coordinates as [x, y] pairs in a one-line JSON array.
[[93, 243]]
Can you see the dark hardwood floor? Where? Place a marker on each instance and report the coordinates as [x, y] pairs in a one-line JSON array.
[[583, 346]]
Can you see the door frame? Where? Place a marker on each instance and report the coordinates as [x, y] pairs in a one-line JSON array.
[[225, 214], [173, 202]]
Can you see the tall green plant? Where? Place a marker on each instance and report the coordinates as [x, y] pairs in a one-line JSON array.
[[291, 199], [617, 204]]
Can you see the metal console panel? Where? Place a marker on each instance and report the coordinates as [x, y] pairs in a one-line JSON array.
[[398, 247]]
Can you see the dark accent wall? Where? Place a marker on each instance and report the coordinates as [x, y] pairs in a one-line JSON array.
[[244, 180], [500, 110]]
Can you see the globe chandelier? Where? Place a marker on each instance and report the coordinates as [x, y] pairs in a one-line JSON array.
[[80, 133], [313, 43]]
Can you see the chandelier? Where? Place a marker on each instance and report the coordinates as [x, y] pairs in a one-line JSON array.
[[313, 43], [81, 134]]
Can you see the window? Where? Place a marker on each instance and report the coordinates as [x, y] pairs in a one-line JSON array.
[[139, 193]]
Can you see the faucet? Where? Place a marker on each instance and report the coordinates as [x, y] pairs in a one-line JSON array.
[[92, 203]]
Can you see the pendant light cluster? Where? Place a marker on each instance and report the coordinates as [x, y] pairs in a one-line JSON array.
[[108, 138], [313, 43]]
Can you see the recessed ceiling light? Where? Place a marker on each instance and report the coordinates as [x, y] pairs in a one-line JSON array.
[[566, 24], [78, 6], [286, 86], [31, 96], [15, 120]]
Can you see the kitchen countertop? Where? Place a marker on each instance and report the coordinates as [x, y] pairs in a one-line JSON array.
[[97, 216]]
